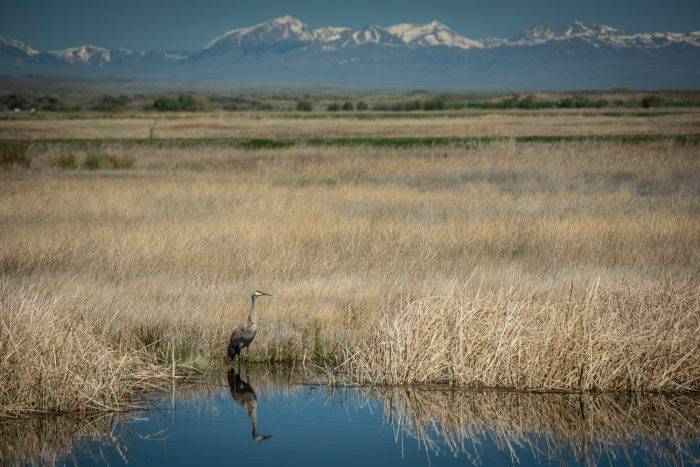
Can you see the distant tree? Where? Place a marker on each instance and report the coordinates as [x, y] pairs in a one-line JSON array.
[[600, 103], [166, 104], [651, 101], [362, 105], [566, 103], [348, 106], [506, 104], [434, 104], [334, 107], [412, 105], [111, 103], [304, 106], [187, 103], [526, 103], [381, 106], [50, 104], [15, 101], [183, 102]]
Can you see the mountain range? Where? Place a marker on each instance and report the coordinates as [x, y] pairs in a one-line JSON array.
[[287, 50]]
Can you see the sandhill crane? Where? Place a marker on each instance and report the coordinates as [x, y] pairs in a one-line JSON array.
[[244, 395], [242, 336]]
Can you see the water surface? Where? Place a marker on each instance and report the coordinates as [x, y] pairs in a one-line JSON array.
[[269, 417]]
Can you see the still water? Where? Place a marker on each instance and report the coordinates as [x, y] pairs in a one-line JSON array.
[[268, 417]]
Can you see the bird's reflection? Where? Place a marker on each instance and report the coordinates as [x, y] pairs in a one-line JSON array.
[[244, 395]]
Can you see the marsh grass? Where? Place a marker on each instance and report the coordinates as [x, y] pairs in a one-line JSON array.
[[54, 361], [120, 162], [287, 126], [593, 339], [66, 161], [15, 155], [94, 160], [540, 265]]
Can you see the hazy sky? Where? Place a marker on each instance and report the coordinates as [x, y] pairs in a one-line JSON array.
[[183, 24]]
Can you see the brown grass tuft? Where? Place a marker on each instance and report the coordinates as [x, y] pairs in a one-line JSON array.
[[53, 359], [630, 339]]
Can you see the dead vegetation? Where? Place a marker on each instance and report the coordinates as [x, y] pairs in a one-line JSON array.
[[60, 360], [628, 339], [284, 125]]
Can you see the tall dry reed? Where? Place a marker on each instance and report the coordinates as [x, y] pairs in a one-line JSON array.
[[631, 339], [52, 360]]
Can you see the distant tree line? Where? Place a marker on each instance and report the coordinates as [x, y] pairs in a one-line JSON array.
[[185, 102], [45, 103]]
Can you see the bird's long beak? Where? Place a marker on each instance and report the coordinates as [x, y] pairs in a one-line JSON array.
[[268, 294]]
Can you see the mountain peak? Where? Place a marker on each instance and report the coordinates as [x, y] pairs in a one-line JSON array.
[[283, 29], [432, 34], [286, 19], [576, 28], [18, 45], [371, 33], [84, 54]]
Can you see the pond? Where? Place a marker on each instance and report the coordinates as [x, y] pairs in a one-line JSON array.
[[272, 417]]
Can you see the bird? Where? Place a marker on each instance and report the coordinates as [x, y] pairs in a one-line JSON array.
[[243, 336], [244, 395]]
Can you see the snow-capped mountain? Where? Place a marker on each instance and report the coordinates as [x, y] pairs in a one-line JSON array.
[[532, 36], [329, 33], [286, 49], [14, 47], [368, 34], [432, 34], [283, 29], [597, 35], [86, 54]]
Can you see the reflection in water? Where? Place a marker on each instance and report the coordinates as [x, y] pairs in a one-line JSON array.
[[48, 440], [589, 428], [244, 395], [371, 426]]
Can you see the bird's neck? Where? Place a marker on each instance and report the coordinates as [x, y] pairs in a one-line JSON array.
[[253, 414], [251, 315]]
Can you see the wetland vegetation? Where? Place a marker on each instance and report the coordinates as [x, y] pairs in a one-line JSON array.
[[549, 253]]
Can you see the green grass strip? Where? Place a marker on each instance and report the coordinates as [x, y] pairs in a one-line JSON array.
[[382, 142]]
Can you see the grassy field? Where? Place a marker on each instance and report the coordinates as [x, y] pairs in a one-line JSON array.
[[551, 264], [329, 125]]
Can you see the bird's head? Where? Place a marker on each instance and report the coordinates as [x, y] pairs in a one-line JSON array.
[[259, 293]]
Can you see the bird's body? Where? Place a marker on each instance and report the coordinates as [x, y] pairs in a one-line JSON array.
[[243, 336]]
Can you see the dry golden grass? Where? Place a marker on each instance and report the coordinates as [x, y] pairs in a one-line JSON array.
[[57, 360], [349, 239], [636, 338], [242, 125]]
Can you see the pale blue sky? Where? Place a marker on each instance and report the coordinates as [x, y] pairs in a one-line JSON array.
[[188, 24]]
